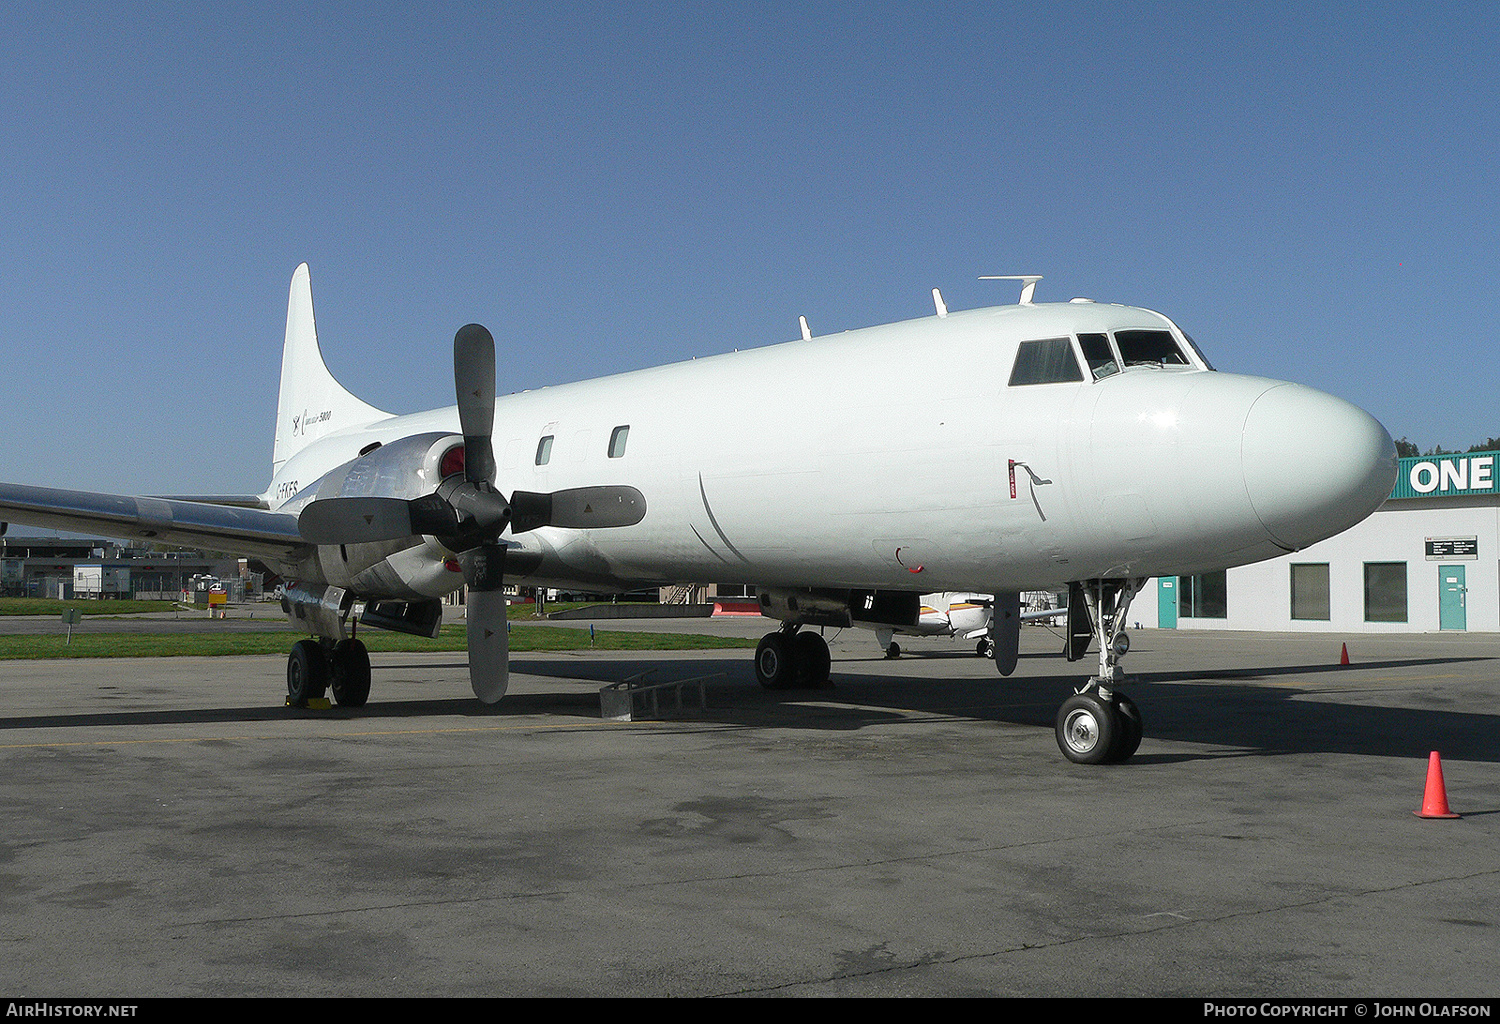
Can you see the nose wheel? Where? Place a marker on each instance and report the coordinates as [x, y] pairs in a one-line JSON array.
[[1097, 727]]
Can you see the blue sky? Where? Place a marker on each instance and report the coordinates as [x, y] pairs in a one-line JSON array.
[[1307, 189]]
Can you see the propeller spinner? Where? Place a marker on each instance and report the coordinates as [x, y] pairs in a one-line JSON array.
[[468, 514]]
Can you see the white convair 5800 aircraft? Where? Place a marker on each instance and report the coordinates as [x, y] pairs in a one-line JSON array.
[[1026, 447]]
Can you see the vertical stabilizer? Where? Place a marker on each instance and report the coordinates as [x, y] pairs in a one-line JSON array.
[[312, 404]]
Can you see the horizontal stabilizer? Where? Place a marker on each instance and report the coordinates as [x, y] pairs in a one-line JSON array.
[[231, 500]]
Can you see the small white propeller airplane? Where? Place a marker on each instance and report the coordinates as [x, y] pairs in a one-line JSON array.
[[996, 450], [965, 616]]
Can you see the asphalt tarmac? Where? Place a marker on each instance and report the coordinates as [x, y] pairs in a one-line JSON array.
[[171, 830]]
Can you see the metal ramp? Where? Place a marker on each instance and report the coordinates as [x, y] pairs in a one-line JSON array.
[[618, 701]]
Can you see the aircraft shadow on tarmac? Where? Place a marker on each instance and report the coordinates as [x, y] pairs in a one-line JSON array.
[[1234, 708], [1250, 710]]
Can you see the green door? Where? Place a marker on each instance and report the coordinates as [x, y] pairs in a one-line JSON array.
[[1451, 591], [1166, 602]]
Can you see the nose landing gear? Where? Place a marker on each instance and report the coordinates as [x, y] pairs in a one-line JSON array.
[[1099, 724]]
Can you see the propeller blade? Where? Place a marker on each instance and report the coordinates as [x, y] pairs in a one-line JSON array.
[[474, 384], [488, 635], [367, 520], [354, 520], [577, 508]]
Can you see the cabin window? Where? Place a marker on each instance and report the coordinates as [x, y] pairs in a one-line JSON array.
[[544, 450], [617, 441], [1098, 354], [1050, 361], [1150, 348]]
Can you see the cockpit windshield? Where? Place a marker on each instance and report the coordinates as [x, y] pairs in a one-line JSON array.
[[1098, 354], [1150, 348]]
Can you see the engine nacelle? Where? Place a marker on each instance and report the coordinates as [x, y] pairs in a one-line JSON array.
[[408, 568], [318, 609], [324, 611], [406, 468], [841, 607]]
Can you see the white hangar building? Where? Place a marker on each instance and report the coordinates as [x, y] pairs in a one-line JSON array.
[[1427, 560]]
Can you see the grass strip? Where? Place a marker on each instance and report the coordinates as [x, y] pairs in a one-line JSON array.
[[48, 606], [523, 639]]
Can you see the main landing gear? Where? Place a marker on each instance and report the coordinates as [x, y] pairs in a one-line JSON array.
[[315, 666], [1099, 724], [792, 660]]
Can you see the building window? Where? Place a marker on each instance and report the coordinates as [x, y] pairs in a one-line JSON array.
[[617, 441], [1204, 597], [1310, 591], [544, 450], [1385, 591]]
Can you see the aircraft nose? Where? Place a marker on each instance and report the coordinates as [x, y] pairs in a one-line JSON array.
[[1314, 465]]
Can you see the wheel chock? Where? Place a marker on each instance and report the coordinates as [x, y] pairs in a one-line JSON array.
[[1435, 799], [311, 704]]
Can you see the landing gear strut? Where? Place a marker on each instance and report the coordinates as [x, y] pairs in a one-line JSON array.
[[792, 660], [1099, 724]]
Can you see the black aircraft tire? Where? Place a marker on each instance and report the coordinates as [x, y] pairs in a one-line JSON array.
[[773, 661], [1086, 729], [306, 672], [350, 673], [1131, 726], [810, 660]]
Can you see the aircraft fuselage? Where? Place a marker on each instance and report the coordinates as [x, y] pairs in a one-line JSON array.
[[902, 458]]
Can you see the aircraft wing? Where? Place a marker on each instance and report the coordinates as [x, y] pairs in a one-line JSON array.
[[237, 531]]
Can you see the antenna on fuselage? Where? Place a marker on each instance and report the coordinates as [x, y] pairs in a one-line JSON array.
[[1028, 284], [937, 300], [806, 331]]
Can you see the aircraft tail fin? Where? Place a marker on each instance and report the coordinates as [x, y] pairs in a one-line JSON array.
[[312, 403]]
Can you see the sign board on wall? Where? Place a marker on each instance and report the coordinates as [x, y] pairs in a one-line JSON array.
[[1445, 549]]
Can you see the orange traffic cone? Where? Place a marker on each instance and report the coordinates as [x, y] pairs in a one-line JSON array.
[[1435, 800], [1344, 655]]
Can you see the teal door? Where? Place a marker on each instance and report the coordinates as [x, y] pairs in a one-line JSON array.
[[1451, 591], [1166, 602]]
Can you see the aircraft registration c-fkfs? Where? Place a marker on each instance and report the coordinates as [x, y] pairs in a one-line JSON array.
[[1038, 446]]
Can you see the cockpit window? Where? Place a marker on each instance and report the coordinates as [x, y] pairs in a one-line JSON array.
[[1150, 348], [1098, 354], [1050, 361]]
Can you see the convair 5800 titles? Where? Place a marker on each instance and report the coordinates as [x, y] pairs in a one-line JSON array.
[[1027, 447]]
